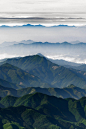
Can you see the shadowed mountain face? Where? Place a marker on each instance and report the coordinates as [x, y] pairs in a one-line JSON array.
[[53, 74], [19, 77], [4, 91], [9, 85], [42, 111], [67, 92]]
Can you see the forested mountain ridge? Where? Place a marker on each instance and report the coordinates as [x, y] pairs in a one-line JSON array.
[[48, 111], [53, 74]]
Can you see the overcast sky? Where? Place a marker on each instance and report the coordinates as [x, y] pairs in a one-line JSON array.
[[43, 12], [42, 5]]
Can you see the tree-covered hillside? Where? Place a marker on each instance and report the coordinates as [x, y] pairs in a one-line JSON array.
[[42, 111], [55, 75]]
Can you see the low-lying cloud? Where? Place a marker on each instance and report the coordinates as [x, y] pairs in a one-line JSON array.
[[75, 59], [5, 55]]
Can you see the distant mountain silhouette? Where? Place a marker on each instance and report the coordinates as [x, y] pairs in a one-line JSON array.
[[66, 51]]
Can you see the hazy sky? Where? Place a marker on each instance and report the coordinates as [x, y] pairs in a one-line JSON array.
[[43, 34], [42, 5], [45, 12]]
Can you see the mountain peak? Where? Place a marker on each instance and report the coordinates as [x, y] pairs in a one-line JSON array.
[[71, 86], [6, 64], [66, 43], [40, 54]]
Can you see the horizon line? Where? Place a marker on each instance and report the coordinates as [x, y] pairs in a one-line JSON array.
[[41, 25]]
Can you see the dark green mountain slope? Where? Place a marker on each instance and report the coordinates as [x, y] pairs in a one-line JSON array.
[[8, 101], [51, 73], [42, 111], [16, 75], [28, 118], [9, 84]]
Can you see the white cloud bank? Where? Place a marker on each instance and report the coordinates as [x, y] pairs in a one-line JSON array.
[[5, 55], [68, 58]]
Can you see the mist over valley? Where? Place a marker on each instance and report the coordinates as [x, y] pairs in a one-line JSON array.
[[62, 51]]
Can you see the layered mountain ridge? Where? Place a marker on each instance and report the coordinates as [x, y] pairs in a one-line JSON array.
[[42, 111], [67, 92], [51, 73], [66, 51], [32, 89]]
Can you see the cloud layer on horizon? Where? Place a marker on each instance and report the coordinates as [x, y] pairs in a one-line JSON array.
[[49, 18]]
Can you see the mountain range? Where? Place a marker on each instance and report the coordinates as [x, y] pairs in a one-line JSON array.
[[38, 72], [16, 75], [42, 111], [5, 44], [48, 72], [36, 93], [67, 64], [65, 50], [67, 92]]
